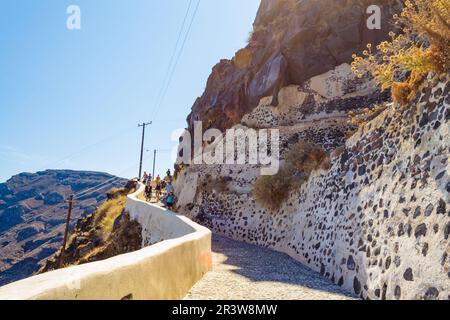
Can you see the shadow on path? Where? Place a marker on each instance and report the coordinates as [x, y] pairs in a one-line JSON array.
[[245, 271]]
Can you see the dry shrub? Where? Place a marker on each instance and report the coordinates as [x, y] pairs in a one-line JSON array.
[[401, 92], [217, 184], [272, 191], [306, 157], [106, 215], [302, 158], [429, 19], [422, 47]]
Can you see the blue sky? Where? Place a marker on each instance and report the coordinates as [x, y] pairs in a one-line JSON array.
[[72, 99]]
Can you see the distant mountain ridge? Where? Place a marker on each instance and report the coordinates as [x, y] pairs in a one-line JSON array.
[[33, 213]]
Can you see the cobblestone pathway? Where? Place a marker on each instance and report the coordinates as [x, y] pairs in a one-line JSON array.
[[244, 271]]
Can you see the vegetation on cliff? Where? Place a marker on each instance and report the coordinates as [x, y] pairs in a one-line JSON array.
[[103, 234], [301, 159], [423, 46]]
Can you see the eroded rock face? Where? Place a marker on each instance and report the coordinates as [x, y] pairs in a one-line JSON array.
[[326, 96], [292, 41]]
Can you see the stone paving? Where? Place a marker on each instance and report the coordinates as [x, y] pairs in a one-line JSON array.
[[243, 271]]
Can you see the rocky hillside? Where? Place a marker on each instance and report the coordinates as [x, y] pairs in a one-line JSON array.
[[33, 213], [105, 233], [376, 219]]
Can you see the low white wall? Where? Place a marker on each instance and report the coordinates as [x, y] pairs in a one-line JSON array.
[[165, 270]]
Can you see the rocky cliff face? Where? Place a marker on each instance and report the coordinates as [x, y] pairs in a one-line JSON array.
[[377, 221], [33, 215], [292, 42]]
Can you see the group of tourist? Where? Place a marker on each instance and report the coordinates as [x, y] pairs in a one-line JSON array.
[[160, 190]]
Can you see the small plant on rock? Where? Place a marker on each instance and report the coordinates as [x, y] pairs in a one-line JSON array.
[[301, 159], [272, 191], [306, 157], [217, 184]]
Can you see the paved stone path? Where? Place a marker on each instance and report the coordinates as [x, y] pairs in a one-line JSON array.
[[242, 271]]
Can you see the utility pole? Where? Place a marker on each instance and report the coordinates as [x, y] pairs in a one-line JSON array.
[[154, 160], [63, 249], [143, 125]]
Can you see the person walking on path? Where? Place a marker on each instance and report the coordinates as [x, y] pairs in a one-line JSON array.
[[148, 192], [158, 191], [158, 179], [169, 187], [170, 201]]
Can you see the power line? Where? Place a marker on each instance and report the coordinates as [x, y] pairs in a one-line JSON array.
[[166, 83], [88, 147], [173, 69], [160, 150], [53, 207], [91, 190], [101, 185], [83, 193], [174, 53], [96, 189], [173, 64], [166, 87]]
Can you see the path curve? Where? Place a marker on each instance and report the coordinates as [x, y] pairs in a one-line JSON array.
[[243, 271]]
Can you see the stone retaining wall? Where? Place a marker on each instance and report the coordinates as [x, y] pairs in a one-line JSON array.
[[376, 223]]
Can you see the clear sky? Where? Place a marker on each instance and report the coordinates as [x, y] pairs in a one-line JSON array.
[[72, 99]]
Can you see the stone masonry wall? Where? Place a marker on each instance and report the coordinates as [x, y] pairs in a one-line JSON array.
[[377, 222]]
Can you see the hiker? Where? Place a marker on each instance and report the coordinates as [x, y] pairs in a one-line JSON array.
[[170, 201], [168, 173], [158, 191], [169, 187], [145, 177], [158, 179], [148, 192]]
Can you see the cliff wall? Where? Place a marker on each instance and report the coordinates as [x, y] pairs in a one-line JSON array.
[[292, 41], [377, 222]]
